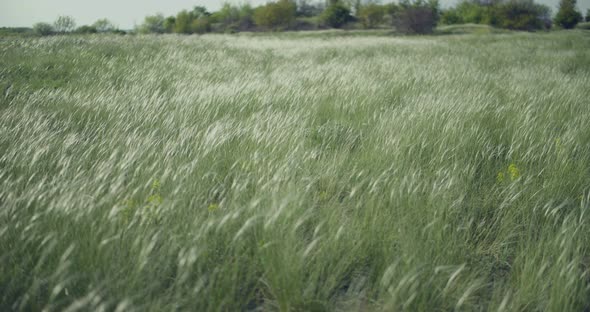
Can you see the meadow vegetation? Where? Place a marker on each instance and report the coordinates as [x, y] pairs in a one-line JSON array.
[[291, 172]]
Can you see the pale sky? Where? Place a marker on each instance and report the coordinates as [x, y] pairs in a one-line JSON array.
[[126, 13]]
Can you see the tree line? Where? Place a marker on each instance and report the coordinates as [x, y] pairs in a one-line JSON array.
[[405, 16]]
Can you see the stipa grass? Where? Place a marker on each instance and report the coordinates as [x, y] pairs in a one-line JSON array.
[[295, 173]]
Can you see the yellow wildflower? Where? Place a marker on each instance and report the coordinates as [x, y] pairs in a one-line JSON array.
[[514, 172], [212, 207], [154, 199]]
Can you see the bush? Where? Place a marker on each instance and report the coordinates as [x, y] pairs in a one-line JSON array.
[[511, 14], [170, 24], [153, 24], [43, 29], [85, 29], [103, 26], [275, 15], [567, 15], [451, 17], [471, 13], [336, 15], [183, 23], [201, 25], [371, 15], [588, 15], [522, 15]]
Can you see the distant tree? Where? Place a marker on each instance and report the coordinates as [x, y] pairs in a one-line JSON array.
[[201, 20], [153, 24], [275, 15], [103, 25], [85, 29], [336, 14], [43, 29], [588, 15], [169, 24], [450, 17], [201, 25], [306, 8], [568, 15], [371, 15], [246, 16], [392, 9], [64, 24], [233, 18], [544, 15], [200, 12], [470, 11], [416, 17], [434, 6], [183, 22], [522, 15], [355, 6]]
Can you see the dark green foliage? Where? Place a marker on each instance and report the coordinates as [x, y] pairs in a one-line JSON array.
[[510, 14], [371, 15], [417, 17], [275, 15], [169, 24], [233, 18], [469, 12], [588, 15], [201, 25], [183, 23], [305, 8], [103, 25], [568, 15], [522, 15], [85, 29], [43, 29], [336, 15], [153, 24], [451, 17]]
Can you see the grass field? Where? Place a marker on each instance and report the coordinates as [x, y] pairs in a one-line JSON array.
[[295, 172]]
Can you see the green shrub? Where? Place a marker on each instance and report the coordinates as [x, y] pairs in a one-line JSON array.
[[275, 15], [43, 29], [568, 15], [371, 15], [182, 24], [522, 15], [85, 29], [451, 17], [233, 18], [104, 25], [153, 24], [201, 25], [169, 24], [510, 14], [336, 15]]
